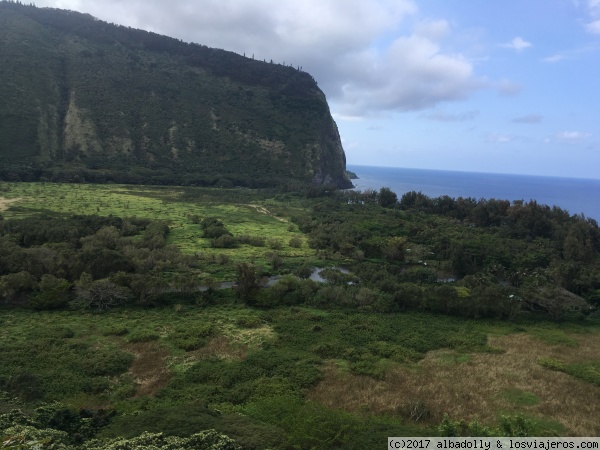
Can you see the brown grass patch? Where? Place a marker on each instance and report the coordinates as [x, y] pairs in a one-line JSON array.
[[149, 367], [252, 338], [5, 202], [220, 347], [475, 388]]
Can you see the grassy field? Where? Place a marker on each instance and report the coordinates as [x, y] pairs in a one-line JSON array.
[[242, 213], [233, 359]]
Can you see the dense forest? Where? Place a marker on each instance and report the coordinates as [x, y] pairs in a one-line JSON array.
[[111, 103], [114, 326]]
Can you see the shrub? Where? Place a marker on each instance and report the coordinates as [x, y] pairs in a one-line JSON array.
[[254, 241], [213, 228], [109, 361], [295, 242], [142, 336], [224, 241], [275, 260], [304, 271], [275, 244], [100, 295], [52, 294]]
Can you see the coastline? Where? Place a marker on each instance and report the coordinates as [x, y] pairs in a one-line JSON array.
[[576, 195]]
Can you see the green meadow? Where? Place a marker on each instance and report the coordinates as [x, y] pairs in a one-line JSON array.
[[241, 210]]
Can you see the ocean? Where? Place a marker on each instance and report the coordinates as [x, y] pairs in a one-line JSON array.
[[576, 195]]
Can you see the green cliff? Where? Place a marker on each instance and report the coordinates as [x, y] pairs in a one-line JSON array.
[[82, 99]]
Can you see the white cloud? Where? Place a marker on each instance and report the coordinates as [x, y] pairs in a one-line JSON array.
[[530, 118], [360, 52], [498, 138], [553, 59], [506, 88], [573, 54], [518, 44], [411, 74], [594, 6], [572, 135], [593, 27], [442, 116], [434, 30], [593, 12]]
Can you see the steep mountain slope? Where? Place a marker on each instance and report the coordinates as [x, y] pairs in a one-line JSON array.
[[84, 99]]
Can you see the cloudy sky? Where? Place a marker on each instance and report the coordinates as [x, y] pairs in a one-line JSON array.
[[509, 86]]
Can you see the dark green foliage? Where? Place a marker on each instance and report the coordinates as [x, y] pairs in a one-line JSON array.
[[213, 228], [170, 421], [79, 425], [254, 241], [99, 295], [83, 252], [304, 271], [16, 287], [52, 294], [247, 283], [589, 372], [214, 118], [108, 361], [57, 365], [193, 338], [311, 425], [516, 247], [224, 241], [387, 198]]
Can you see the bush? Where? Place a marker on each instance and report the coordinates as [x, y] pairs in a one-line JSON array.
[[275, 244], [304, 271], [213, 228], [254, 241], [100, 295], [107, 361], [224, 241], [15, 286], [295, 242], [52, 294]]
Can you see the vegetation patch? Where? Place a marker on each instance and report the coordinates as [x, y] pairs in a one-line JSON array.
[[487, 384], [555, 337], [519, 397], [149, 368], [585, 371], [106, 310]]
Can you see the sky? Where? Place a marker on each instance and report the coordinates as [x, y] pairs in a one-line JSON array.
[[509, 86]]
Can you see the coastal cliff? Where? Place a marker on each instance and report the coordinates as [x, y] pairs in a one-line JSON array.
[[85, 100]]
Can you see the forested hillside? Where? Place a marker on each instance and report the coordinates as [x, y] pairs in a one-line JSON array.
[[82, 99]]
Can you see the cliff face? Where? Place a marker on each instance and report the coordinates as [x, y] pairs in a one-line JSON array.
[[84, 99]]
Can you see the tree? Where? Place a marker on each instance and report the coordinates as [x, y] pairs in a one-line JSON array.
[[275, 260], [15, 286], [387, 198], [247, 283], [100, 295], [52, 293], [555, 301], [395, 248]]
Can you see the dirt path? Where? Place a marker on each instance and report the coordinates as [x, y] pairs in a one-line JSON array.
[[5, 202], [262, 209]]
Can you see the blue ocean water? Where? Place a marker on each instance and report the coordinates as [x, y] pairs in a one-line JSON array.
[[576, 195]]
